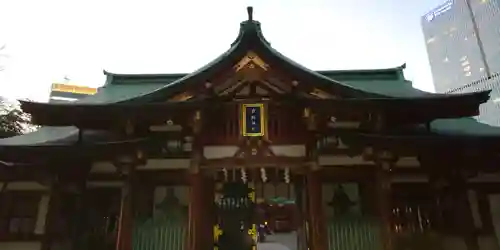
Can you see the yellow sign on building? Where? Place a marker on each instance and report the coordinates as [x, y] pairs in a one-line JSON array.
[[67, 88]]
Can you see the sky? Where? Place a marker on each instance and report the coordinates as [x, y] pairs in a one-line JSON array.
[[48, 40]]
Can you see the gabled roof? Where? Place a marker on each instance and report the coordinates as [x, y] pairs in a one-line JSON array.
[[346, 83], [382, 82], [143, 88]]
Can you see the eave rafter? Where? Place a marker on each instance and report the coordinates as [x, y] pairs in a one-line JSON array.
[[251, 71]]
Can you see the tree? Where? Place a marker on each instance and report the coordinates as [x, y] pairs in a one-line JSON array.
[[2, 54], [13, 121]]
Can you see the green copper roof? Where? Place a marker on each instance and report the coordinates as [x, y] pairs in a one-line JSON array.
[[119, 93], [463, 126], [350, 83], [153, 87], [123, 88], [42, 136]]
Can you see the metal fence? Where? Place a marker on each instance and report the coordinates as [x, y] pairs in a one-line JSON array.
[[353, 233], [160, 234]]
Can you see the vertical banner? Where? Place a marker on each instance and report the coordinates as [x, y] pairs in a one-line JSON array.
[[253, 119]]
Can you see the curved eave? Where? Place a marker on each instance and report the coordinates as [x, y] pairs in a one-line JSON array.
[[474, 99], [425, 141], [408, 110], [109, 115], [105, 116], [60, 151], [145, 76], [327, 72]]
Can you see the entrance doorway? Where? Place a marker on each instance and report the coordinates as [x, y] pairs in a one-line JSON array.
[[235, 216], [277, 204]]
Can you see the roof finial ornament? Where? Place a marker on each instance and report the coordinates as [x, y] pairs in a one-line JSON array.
[[250, 13]]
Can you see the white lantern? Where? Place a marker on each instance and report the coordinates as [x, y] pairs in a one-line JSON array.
[[287, 175], [224, 170], [243, 175], [263, 175]]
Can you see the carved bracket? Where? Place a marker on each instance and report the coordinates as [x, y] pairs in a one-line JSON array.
[[386, 159], [254, 147], [126, 164]]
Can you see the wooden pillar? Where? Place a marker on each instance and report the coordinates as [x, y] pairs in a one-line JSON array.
[[317, 226], [79, 242], [383, 203], [52, 215], [437, 186], [125, 223], [196, 212], [196, 229], [488, 236], [208, 212], [463, 213], [298, 184]]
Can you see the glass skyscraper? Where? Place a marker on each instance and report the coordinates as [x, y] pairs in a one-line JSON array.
[[463, 45]]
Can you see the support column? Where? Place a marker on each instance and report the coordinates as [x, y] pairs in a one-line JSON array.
[[79, 242], [488, 238], [197, 192], [209, 212], [52, 215], [197, 208], [437, 186], [383, 203], [463, 213], [299, 201], [125, 223], [317, 226]]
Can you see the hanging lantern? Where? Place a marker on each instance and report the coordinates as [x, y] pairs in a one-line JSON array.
[[226, 175], [287, 175], [263, 175], [244, 177]]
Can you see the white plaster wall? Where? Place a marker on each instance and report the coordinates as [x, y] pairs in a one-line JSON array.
[[495, 213], [24, 185], [40, 222], [152, 164], [20, 245], [344, 160], [215, 152]]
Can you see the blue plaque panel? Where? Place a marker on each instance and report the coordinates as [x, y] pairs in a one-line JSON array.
[[252, 120]]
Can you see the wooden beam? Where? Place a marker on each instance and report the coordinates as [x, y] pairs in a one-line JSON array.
[[268, 161]]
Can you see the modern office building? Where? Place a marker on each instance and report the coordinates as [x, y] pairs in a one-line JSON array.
[[62, 92], [463, 44]]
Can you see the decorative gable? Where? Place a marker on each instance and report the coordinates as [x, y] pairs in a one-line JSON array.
[[251, 60]]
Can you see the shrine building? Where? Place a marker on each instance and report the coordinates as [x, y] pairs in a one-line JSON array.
[[185, 161]]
